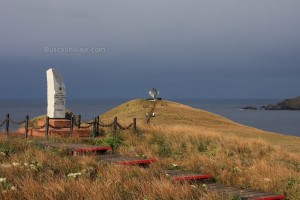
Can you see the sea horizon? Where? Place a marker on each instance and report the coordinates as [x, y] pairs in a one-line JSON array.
[[282, 122]]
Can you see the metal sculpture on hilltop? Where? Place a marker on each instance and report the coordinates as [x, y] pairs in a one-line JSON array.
[[154, 93]]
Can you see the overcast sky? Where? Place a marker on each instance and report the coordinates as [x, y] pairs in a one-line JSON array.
[[186, 49]]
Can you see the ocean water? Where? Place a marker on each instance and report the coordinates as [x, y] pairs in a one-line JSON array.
[[284, 122], [278, 121]]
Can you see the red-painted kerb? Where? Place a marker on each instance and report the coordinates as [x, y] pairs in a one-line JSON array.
[[186, 178], [136, 162], [270, 198], [93, 149]]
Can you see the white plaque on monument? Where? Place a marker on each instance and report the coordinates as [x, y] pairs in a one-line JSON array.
[[56, 95]]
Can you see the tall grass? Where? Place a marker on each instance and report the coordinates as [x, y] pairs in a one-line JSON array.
[[177, 141]]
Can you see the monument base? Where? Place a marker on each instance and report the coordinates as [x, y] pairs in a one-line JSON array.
[[60, 122], [61, 129], [156, 99]]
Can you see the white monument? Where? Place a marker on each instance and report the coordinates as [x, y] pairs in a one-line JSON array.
[[56, 95]]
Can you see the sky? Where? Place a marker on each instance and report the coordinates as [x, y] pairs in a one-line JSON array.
[[185, 49]]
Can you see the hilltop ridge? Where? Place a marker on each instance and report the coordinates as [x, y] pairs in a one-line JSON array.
[[169, 114]]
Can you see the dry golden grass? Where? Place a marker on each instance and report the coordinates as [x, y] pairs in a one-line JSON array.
[[197, 140], [170, 114], [32, 172], [179, 137]]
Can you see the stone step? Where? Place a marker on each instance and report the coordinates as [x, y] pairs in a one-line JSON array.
[[126, 160], [60, 122], [187, 176], [64, 132], [55, 122], [243, 194]]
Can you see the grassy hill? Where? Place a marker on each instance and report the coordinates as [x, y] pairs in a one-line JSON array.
[[172, 115], [179, 137]]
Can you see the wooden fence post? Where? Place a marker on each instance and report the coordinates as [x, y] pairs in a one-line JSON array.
[[94, 127], [7, 125], [72, 125], [97, 126], [79, 121], [115, 126], [26, 126], [47, 127], [134, 126]]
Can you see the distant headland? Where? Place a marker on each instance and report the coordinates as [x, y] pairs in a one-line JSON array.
[[287, 104]]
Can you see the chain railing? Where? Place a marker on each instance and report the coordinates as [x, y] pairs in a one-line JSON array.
[[125, 127], [105, 125], [78, 122], [75, 121], [18, 122], [9, 121]]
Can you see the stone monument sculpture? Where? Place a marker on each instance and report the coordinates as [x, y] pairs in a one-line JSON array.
[[153, 93], [59, 123], [56, 95]]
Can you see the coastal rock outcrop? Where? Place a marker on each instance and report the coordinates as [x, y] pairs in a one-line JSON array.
[[249, 108], [287, 104]]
